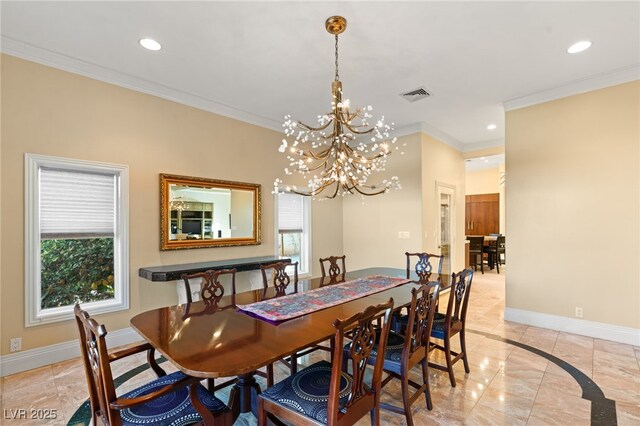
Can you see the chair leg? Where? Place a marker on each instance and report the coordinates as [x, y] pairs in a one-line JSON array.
[[269, 375], [406, 396], [375, 415], [447, 355], [425, 378], [294, 363], [498, 262], [210, 385], [463, 348], [262, 414], [481, 264]]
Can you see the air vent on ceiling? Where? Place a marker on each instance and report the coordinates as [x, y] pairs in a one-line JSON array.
[[416, 94]]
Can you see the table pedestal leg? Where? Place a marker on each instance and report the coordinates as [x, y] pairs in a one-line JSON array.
[[244, 395]]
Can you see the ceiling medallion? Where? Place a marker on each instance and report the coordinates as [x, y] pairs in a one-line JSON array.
[[340, 153]]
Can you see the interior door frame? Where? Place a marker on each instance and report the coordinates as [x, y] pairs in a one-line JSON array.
[[449, 189]]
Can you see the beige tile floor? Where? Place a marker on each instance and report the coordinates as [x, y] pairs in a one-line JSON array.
[[507, 385]]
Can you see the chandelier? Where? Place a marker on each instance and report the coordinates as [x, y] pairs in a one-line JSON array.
[[343, 150]]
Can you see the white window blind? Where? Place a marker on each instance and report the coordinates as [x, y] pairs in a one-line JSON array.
[[76, 204], [290, 213]]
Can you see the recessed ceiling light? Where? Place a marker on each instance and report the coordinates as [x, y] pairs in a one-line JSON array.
[[482, 158], [491, 126], [580, 46], [150, 44]]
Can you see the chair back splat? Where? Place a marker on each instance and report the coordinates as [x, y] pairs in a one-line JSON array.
[[459, 297], [423, 267], [336, 269], [423, 303], [211, 289], [280, 277]]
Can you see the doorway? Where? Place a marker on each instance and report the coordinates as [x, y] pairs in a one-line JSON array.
[[445, 196]]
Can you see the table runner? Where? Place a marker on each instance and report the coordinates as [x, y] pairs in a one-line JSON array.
[[298, 304]]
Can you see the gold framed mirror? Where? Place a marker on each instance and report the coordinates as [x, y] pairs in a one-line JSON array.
[[199, 212]]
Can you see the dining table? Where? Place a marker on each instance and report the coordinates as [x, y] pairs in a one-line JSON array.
[[212, 340]]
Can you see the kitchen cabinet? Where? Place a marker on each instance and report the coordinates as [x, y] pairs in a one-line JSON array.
[[482, 214]]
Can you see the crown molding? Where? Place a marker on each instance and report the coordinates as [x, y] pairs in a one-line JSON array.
[[476, 146], [422, 127], [73, 65], [588, 84]]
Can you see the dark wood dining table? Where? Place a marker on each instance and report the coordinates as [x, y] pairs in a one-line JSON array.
[[211, 341]]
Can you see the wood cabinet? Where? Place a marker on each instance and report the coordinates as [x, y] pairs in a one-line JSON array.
[[482, 214]]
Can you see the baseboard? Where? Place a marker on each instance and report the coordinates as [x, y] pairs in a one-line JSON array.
[[616, 333], [39, 357]]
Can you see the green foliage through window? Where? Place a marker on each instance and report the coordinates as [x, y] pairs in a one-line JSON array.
[[76, 270]]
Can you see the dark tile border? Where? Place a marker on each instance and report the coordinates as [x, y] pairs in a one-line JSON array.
[[603, 410]]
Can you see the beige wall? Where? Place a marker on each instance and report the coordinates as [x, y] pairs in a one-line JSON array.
[[442, 164], [51, 112], [573, 203], [485, 181], [371, 224], [485, 152]]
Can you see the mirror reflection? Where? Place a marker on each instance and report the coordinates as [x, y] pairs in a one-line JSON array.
[[200, 212]]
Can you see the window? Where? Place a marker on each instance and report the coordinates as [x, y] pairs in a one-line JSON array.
[[76, 238], [293, 229]]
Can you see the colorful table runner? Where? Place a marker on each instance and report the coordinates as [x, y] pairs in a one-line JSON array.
[[298, 304]]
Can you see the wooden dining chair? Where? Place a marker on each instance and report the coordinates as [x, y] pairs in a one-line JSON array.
[[423, 267], [281, 280], [454, 323], [405, 352], [335, 270], [211, 292], [170, 399], [325, 394], [476, 250]]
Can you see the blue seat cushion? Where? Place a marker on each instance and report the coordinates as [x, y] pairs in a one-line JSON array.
[[395, 342], [307, 392], [173, 409], [402, 320], [438, 328]]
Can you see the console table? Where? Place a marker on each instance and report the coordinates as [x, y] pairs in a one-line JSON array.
[[174, 272]]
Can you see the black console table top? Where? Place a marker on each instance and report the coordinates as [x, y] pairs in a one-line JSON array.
[[174, 272]]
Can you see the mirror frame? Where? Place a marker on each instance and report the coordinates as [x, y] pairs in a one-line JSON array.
[[165, 182]]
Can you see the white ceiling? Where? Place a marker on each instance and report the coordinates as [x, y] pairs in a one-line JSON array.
[[258, 61], [483, 163]]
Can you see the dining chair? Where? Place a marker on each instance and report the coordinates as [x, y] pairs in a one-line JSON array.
[[476, 247], [423, 267], [405, 352], [170, 399], [336, 272], [454, 323], [494, 250], [281, 280], [325, 394], [211, 292]]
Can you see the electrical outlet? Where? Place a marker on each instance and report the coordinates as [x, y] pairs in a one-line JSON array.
[[16, 344], [404, 235], [578, 312]]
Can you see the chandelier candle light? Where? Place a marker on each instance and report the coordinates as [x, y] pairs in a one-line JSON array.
[[329, 155]]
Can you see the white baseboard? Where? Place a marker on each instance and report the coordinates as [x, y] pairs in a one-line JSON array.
[[39, 357], [616, 333]]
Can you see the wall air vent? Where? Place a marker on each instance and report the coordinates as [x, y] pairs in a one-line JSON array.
[[415, 94]]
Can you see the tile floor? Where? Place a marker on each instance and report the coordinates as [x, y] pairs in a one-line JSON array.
[[507, 384]]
